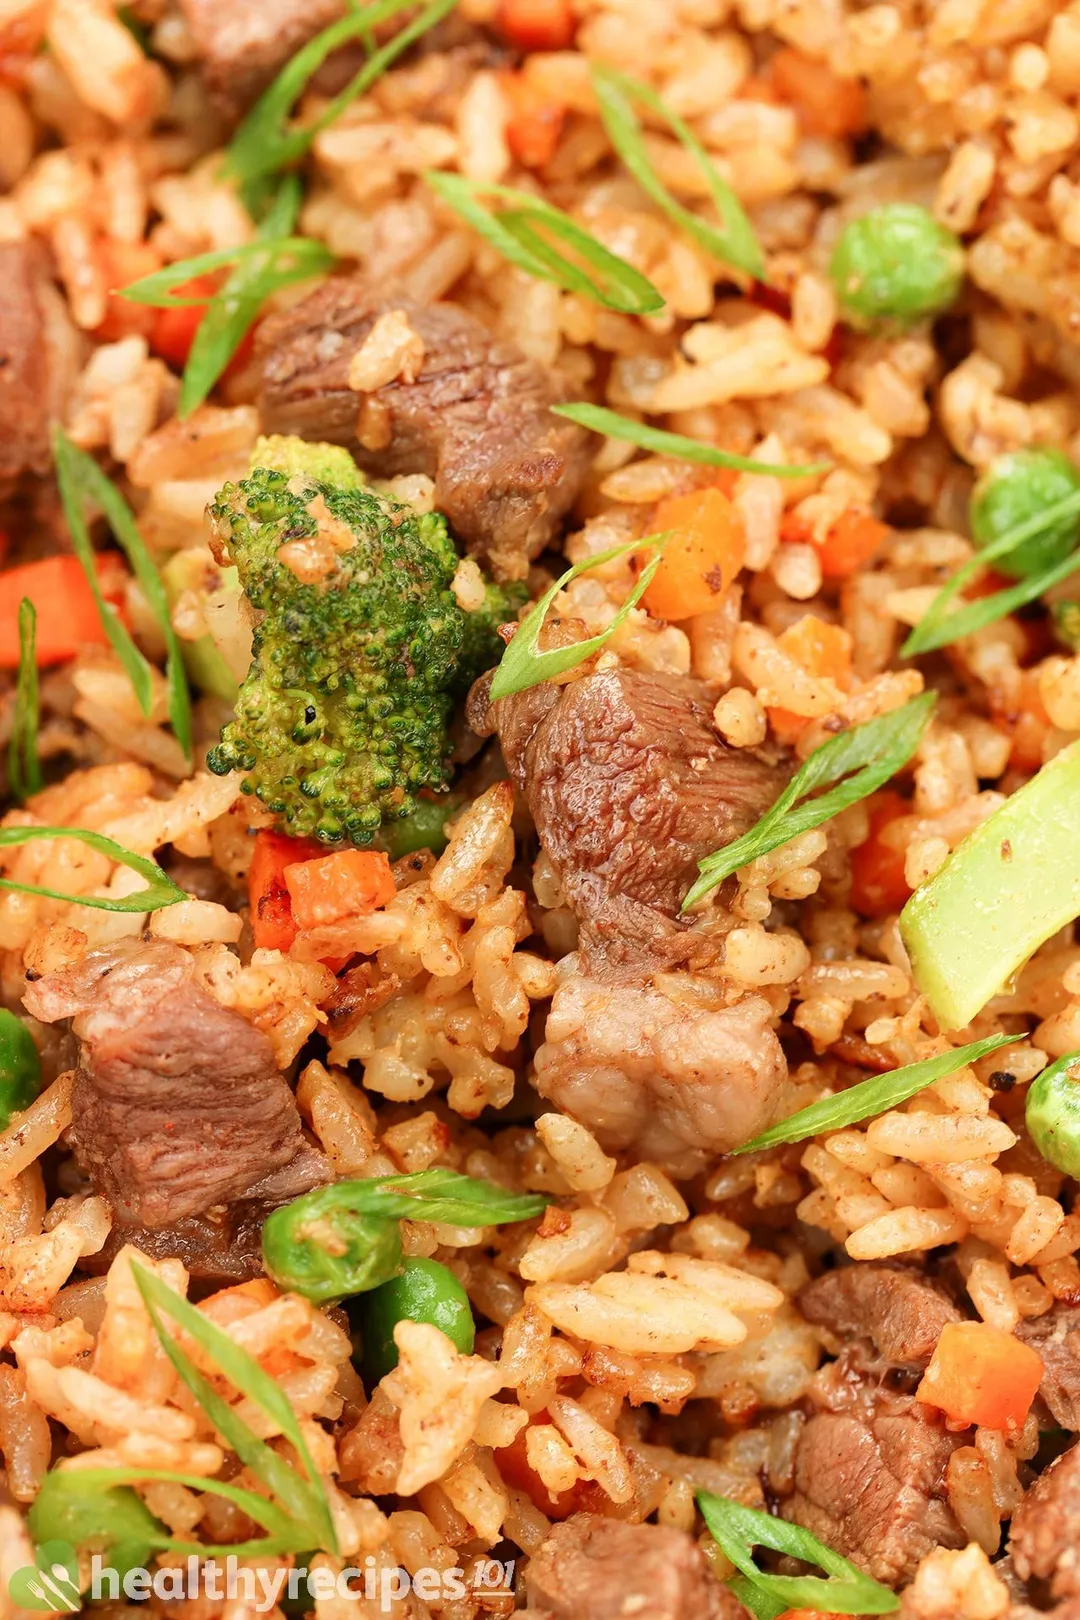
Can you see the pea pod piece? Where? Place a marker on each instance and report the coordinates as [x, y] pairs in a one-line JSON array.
[[327, 1253], [20, 1067], [423, 1291], [1010, 885], [1052, 1113]]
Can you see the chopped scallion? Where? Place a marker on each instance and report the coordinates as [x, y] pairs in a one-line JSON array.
[[24, 767], [662, 443], [1010, 885], [874, 1096], [943, 624], [858, 762], [523, 664], [520, 234], [160, 891], [733, 242], [275, 259], [81, 480], [264, 144], [737, 1530]]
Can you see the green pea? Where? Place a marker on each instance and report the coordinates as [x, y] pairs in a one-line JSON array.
[[424, 1291], [318, 1247], [20, 1067], [1015, 488], [896, 263], [1052, 1112]]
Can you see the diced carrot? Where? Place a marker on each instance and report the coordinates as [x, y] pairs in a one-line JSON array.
[[124, 263], [347, 883], [536, 25], [854, 538], [825, 103], [980, 1374], [535, 124], [822, 649], [272, 921], [260, 1290], [67, 615], [513, 1464], [758, 88], [702, 557], [878, 884], [174, 327]]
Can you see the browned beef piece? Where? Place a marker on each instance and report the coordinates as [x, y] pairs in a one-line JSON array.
[[1044, 1540], [24, 359], [1056, 1336], [629, 786], [476, 419], [178, 1105], [870, 1483], [242, 44], [222, 1248], [898, 1309], [592, 1568]]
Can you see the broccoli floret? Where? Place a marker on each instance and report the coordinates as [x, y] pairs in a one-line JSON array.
[[329, 463], [359, 646], [482, 646]]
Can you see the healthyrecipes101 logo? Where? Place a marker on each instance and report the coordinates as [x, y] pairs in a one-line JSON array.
[[51, 1583]]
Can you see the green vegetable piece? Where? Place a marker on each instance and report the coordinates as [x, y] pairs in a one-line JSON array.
[[896, 263], [275, 259], [524, 665], [846, 1590], [857, 761], [872, 1097], [1067, 624], [264, 143], [423, 1291], [310, 458], [303, 1501], [108, 1519], [1052, 1113], [942, 623], [342, 1239], [160, 890], [662, 443], [344, 713], [1012, 883], [24, 767], [424, 828], [81, 481], [734, 241], [521, 234], [1017, 486], [20, 1067], [331, 1254], [195, 570]]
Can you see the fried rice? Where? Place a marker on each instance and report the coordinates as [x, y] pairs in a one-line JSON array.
[[644, 1339]]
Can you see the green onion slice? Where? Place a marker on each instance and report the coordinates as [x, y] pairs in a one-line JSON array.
[[304, 1500], [858, 762], [429, 1195], [24, 767], [523, 665], [275, 259], [1011, 884], [80, 1505], [940, 625], [874, 1096], [734, 242], [160, 891], [737, 1530], [600, 420], [81, 480], [520, 234], [264, 143]]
